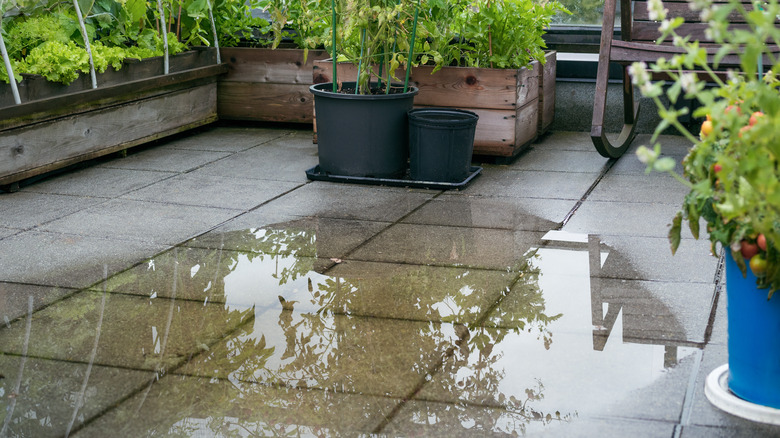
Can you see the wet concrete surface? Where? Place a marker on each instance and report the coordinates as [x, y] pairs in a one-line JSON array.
[[203, 287]]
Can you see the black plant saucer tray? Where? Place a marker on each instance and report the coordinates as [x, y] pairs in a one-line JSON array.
[[316, 174]]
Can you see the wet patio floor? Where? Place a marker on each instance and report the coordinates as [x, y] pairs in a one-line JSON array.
[[203, 287]]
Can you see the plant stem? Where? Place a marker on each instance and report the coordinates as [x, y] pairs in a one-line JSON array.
[[360, 62]]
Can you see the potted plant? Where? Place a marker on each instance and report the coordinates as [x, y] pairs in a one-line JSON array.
[[734, 179], [362, 124], [90, 82], [486, 57]]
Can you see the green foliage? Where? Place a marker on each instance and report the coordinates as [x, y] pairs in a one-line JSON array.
[[732, 168], [57, 62]]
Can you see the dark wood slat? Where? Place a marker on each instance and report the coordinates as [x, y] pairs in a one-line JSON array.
[[648, 31], [682, 9]]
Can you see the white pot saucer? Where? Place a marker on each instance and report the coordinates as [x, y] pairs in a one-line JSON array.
[[717, 391]]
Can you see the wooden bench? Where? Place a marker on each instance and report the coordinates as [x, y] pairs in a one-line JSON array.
[[638, 43]]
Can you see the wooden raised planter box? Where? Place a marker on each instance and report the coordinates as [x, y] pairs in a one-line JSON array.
[[56, 125], [515, 106], [267, 85]]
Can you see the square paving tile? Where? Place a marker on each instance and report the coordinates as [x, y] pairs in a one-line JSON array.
[[24, 210], [189, 406], [496, 181], [530, 214], [130, 331], [66, 260], [567, 161], [285, 159], [663, 189], [226, 138], [565, 141], [142, 221], [16, 300], [627, 218], [341, 353], [449, 246], [435, 419], [305, 236], [98, 182], [164, 158], [212, 191], [348, 201], [5, 232], [43, 398]]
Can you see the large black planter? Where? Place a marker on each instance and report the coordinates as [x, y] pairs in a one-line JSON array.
[[362, 135]]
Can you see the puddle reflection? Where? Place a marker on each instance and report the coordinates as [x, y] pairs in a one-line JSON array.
[[274, 340]]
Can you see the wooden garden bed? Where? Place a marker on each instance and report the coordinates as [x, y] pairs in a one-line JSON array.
[[65, 125], [267, 85], [514, 106]]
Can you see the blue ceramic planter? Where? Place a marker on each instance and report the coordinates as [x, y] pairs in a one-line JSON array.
[[753, 338]]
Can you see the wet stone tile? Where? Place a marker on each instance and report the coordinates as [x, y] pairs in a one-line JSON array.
[[164, 158], [16, 300], [345, 201], [532, 184], [567, 161], [349, 354], [449, 246], [220, 276], [42, 398], [23, 210], [309, 236], [226, 138], [273, 161], [132, 332], [188, 406], [493, 212], [98, 182], [436, 419]]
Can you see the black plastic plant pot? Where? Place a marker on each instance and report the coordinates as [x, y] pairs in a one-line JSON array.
[[441, 141], [362, 135]]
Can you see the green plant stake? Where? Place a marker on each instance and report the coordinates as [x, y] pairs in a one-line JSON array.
[[333, 32], [9, 69], [165, 36], [213, 30], [86, 43], [411, 47], [360, 64]]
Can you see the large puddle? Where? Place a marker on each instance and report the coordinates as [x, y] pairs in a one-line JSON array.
[[275, 340]]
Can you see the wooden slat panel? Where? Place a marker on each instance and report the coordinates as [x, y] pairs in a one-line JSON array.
[[682, 9], [648, 30], [280, 66], [629, 51], [46, 146], [265, 102]]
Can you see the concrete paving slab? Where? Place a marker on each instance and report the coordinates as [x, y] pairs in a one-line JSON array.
[[6, 232], [17, 299], [560, 161], [164, 158], [348, 201], [627, 219], [676, 147], [189, 406], [646, 258], [705, 417], [44, 398], [307, 236], [558, 372], [25, 210], [226, 138], [621, 187], [565, 141], [154, 334], [351, 354], [54, 259], [529, 214], [142, 221], [284, 159], [213, 191], [449, 246], [219, 276], [97, 182], [497, 181], [434, 419]]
